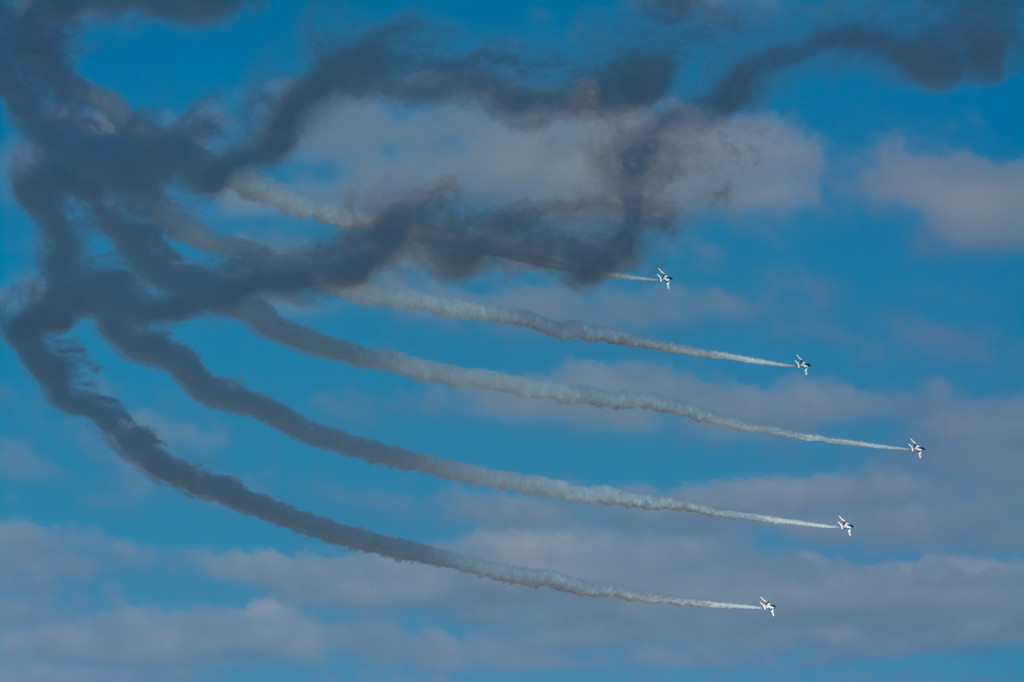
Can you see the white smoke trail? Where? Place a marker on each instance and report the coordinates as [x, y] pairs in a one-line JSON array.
[[268, 192], [467, 310], [632, 278], [262, 319]]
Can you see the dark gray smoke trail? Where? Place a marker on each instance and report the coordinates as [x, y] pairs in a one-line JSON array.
[[393, 62], [968, 44], [140, 446], [673, 11], [269, 193], [467, 310], [454, 248]]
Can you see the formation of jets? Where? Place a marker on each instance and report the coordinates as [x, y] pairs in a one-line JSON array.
[[804, 365], [666, 279]]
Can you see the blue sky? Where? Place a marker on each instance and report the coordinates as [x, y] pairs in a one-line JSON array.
[[846, 213]]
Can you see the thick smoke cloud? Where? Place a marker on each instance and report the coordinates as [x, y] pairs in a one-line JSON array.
[[386, 62], [96, 166], [394, 61]]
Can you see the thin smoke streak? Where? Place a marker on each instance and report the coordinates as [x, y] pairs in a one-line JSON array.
[[253, 187], [467, 310], [631, 278]]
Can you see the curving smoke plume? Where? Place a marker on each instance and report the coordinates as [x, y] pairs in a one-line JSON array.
[[969, 43], [56, 372]]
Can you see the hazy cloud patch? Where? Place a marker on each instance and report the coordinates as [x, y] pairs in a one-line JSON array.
[[966, 201]]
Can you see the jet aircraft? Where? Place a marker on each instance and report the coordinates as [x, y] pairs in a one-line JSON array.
[[846, 525], [666, 279], [914, 447], [768, 606], [802, 364]]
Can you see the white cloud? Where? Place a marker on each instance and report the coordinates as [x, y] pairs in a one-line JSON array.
[[749, 162], [890, 607], [940, 341], [967, 201], [263, 630], [38, 558], [18, 461], [311, 579], [775, 166], [832, 608]]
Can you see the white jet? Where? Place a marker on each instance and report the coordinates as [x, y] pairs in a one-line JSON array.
[[914, 447], [846, 525], [666, 279], [802, 364], [768, 606]]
